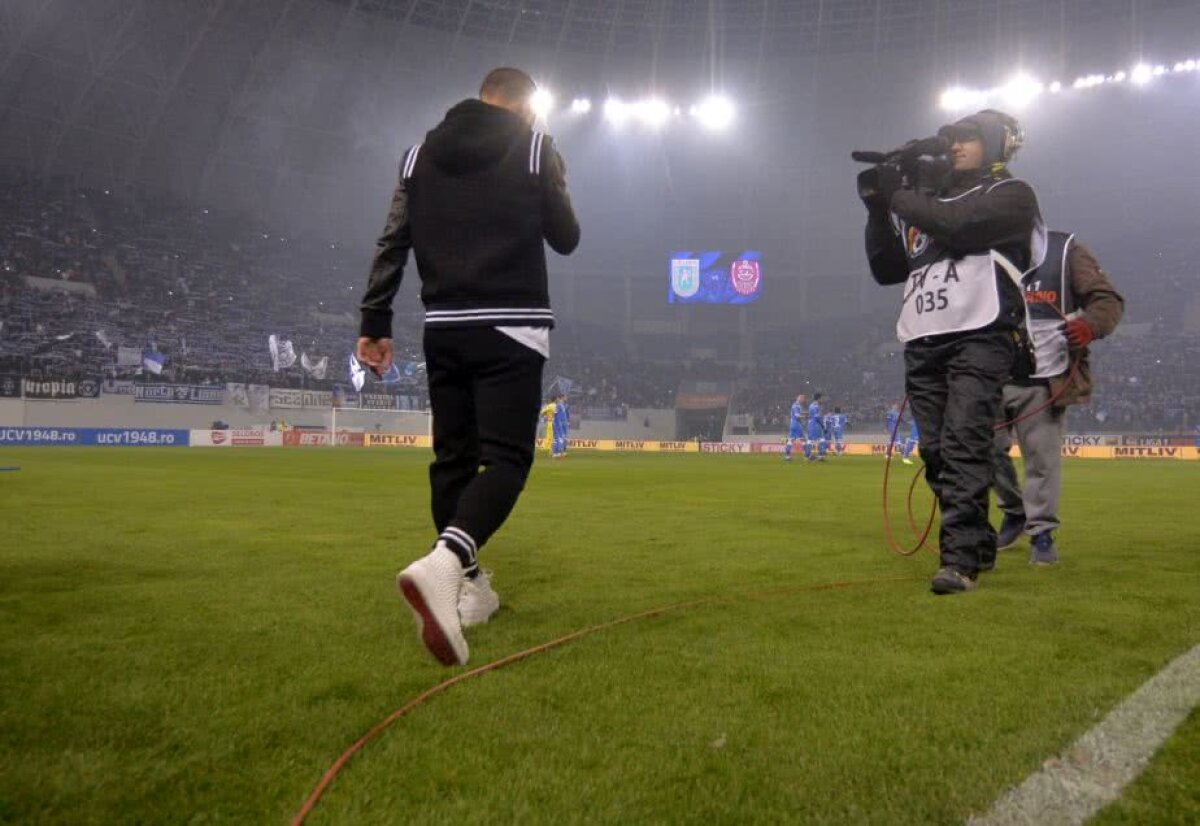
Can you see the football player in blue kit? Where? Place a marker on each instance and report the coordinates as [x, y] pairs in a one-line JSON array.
[[838, 430], [829, 424], [817, 444], [561, 426], [795, 427]]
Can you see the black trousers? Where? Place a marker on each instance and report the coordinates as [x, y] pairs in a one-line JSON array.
[[954, 389], [485, 391]]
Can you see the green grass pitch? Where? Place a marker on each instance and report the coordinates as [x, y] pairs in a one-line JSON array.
[[193, 636]]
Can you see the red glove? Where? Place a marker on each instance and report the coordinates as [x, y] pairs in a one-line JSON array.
[[1079, 333]]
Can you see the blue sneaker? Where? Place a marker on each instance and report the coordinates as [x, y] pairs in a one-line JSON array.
[[1044, 552], [1011, 528]]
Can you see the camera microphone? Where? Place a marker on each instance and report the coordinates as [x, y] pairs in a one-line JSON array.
[[863, 156]]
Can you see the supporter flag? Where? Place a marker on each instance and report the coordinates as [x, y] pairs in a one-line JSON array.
[[283, 354], [237, 394], [104, 339], [358, 376], [316, 369], [561, 384], [52, 342], [153, 361]]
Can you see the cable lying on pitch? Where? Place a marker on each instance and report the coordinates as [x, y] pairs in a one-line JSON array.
[[894, 544], [334, 770]]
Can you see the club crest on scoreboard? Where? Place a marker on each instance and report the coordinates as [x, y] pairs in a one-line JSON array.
[[745, 276], [685, 276]]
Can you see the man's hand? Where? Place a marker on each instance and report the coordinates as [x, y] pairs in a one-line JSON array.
[[877, 185], [375, 353], [1079, 333]]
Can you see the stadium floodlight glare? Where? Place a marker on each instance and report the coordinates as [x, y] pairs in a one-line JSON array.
[[1020, 91], [616, 111], [714, 113], [652, 112], [581, 106], [542, 102], [958, 98]]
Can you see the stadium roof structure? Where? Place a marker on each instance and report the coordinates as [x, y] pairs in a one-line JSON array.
[[747, 26], [280, 105]]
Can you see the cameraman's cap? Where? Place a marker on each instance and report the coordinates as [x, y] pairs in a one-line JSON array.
[[1000, 133], [961, 131]]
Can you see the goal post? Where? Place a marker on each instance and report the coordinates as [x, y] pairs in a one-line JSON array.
[[358, 420]]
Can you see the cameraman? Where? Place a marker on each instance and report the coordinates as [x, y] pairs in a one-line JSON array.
[[959, 239]]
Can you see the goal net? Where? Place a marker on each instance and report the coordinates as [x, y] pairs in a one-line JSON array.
[[345, 424]]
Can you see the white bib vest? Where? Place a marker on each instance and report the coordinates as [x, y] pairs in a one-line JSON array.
[[944, 294], [1048, 302]]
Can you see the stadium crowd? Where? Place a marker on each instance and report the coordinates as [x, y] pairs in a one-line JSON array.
[[85, 273]]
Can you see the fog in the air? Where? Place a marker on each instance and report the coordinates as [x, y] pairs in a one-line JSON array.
[[296, 113]]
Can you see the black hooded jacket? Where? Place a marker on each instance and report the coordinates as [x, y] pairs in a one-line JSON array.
[[474, 202]]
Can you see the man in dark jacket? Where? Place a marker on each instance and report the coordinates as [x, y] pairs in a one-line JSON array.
[[474, 202], [1071, 303], [960, 249]]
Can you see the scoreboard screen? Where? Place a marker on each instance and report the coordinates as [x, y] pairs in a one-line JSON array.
[[715, 277]]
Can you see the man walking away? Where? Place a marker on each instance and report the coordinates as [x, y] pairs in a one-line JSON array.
[[474, 203]]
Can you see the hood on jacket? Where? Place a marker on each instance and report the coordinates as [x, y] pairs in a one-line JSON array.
[[474, 136]]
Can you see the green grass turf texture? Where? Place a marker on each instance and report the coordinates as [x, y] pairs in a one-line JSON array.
[[193, 636]]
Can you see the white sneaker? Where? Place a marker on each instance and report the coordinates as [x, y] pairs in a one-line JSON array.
[[432, 585], [477, 601]]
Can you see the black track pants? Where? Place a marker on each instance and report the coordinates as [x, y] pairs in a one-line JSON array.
[[485, 390], [954, 389]]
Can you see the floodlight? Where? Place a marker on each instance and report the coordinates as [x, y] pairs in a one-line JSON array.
[[714, 112], [542, 102], [652, 112], [581, 106], [1020, 90], [615, 111], [1055, 87], [1141, 74], [958, 98]]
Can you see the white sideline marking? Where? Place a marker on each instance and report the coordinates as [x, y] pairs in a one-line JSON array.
[[1090, 774]]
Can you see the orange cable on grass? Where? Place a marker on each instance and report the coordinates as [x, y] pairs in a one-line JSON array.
[[334, 770]]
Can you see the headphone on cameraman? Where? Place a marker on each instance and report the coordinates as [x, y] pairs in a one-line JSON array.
[[1001, 134]]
